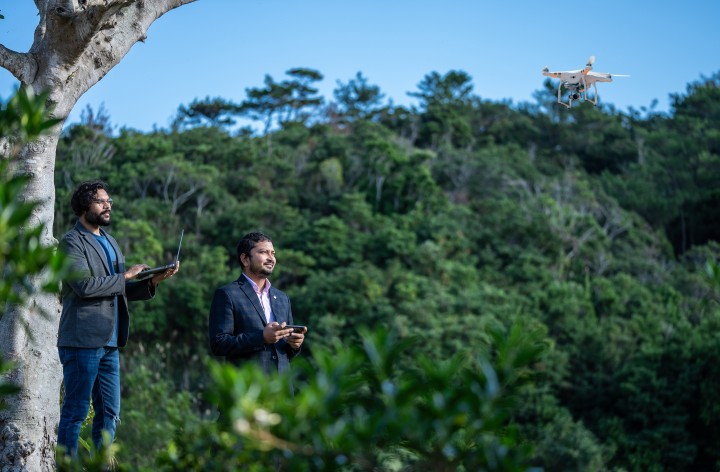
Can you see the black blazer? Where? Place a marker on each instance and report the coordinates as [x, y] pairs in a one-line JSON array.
[[88, 301], [236, 325]]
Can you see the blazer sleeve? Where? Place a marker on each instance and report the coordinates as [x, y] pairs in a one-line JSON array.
[[225, 338], [140, 290], [83, 281]]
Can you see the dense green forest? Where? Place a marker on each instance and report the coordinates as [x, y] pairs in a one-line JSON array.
[[442, 224]]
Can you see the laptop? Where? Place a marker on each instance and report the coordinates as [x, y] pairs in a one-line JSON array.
[[156, 270]]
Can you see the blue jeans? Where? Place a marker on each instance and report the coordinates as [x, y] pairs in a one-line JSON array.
[[89, 373]]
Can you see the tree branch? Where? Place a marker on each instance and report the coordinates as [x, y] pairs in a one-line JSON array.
[[65, 8], [116, 33], [21, 65]]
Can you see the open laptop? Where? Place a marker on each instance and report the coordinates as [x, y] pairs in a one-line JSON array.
[[156, 270]]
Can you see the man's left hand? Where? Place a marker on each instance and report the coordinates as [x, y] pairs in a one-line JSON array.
[[295, 340], [165, 275]]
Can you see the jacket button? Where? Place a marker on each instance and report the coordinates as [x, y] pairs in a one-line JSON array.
[[274, 357], [112, 303]]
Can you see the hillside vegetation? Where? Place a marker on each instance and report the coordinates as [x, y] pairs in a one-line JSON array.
[[443, 224]]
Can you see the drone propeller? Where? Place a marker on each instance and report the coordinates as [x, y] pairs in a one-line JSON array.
[[591, 60], [620, 75]]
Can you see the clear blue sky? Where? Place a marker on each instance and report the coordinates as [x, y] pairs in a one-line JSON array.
[[222, 47]]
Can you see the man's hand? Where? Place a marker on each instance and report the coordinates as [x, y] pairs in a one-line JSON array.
[[275, 331], [295, 340], [165, 275], [133, 271]]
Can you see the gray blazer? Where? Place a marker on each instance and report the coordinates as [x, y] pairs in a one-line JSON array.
[[236, 326], [88, 299]]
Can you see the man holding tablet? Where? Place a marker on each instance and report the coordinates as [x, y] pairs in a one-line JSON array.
[[95, 320], [250, 320]]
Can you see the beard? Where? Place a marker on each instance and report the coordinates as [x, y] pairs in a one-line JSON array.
[[98, 218], [261, 271]]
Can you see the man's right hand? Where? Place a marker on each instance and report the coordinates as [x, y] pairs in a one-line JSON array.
[[133, 271], [275, 331]]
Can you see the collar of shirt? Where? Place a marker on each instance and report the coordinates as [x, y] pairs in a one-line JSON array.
[[82, 228], [264, 297], [266, 288]]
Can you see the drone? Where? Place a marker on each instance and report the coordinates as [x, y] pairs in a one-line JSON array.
[[577, 82]]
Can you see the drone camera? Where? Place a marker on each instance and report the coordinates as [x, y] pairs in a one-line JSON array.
[[575, 96]]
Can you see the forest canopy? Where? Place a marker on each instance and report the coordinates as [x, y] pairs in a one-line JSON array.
[[441, 223]]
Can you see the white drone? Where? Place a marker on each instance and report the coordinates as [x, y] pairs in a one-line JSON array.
[[578, 82]]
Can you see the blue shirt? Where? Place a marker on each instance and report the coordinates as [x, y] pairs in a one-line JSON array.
[[112, 262]]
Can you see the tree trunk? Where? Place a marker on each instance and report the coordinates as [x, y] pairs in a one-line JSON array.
[[28, 426], [27, 334], [76, 43]]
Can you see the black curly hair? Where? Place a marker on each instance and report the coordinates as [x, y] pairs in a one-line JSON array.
[[84, 195]]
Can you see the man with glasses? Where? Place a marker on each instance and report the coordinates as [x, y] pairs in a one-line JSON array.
[[94, 320]]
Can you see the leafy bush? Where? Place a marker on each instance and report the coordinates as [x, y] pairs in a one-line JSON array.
[[358, 408]]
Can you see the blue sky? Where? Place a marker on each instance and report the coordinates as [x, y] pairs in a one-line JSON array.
[[222, 47]]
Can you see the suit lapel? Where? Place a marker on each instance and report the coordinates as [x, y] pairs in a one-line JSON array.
[[247, 289], [90, 239], [277, 307]]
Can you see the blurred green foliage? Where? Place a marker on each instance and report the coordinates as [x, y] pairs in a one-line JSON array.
[[360, 408]]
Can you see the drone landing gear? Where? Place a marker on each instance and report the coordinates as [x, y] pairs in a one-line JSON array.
[[597, 96], [559, 98]]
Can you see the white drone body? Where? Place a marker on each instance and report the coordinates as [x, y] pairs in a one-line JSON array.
[[577, 82]]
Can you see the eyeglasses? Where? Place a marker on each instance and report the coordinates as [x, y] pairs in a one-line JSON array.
[[99, 201]]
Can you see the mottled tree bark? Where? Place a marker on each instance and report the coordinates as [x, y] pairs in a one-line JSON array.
[[76, 43]]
